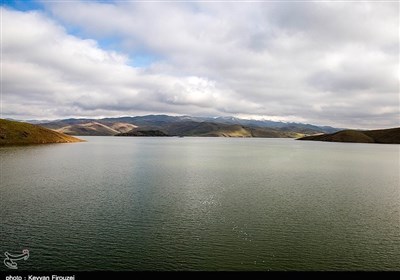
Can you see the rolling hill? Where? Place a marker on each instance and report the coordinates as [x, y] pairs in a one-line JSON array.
[[122, 127], [85, 129], [19, 133], [383, 136], [88, 127]]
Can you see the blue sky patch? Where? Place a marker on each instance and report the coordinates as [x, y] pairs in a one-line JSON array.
[[22, 5], [142, 60]]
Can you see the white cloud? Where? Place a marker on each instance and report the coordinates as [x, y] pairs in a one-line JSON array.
[[48, 73], [324, 63]]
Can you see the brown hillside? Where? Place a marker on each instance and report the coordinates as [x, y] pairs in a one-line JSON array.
[[20, 133], [385, 136]]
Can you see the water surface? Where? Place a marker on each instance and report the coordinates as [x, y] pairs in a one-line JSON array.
[[116, 203]]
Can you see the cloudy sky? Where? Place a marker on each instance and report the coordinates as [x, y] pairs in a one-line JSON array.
[[327, 63]]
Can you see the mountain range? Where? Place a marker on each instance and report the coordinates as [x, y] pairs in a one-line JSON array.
[[14, 133], [184, 126]]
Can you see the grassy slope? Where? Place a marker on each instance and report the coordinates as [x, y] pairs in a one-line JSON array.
[[19, 133], [387, 136]]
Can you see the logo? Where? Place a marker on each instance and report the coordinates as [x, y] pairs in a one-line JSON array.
[[9, 261]]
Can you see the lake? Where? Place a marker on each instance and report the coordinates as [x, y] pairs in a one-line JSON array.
[[125, 203]]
